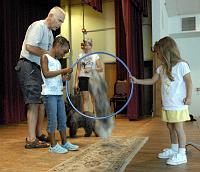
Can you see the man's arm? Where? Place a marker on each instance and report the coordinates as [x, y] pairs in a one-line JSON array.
[[35, 50]]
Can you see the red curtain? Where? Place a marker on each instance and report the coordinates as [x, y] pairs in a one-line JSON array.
[[120, 41], [95, 4], [129, 16], [16, 16]]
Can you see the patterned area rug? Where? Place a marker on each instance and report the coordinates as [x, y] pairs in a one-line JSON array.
[[111, 155]]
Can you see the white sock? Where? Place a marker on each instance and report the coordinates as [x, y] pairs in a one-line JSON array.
[[174, 147], [182, 151]]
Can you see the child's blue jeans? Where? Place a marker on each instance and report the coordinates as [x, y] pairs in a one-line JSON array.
[[56, 114]]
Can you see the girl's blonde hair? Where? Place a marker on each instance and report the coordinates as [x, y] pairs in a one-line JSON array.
[[88, 40], [169, 53]]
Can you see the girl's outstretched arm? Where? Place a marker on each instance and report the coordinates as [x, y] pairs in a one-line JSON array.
[[145, 81]]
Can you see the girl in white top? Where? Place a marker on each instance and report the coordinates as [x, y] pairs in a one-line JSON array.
[[176, 90], [52, 91], [84, 71]]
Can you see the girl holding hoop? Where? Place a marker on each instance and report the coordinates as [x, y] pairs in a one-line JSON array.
[[176, 86]]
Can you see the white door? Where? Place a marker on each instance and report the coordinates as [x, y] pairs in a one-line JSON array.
[[190, 51]]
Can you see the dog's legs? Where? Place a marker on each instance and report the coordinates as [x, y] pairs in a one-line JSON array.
[[73, 130], [88, 127]]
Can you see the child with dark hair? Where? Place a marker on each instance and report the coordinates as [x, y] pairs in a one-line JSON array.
[[52, 91]]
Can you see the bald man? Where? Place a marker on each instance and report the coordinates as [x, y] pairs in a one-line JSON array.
[[38, 41]]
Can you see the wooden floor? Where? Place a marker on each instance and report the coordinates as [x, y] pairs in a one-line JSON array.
[[14, 157]]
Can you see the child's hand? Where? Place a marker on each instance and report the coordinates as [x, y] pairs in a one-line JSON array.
[[187, 101], [66, 77], [67, 70], [135, 80]]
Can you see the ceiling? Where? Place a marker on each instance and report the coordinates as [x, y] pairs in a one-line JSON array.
[[182, 7], [174, 7], [78, 2]]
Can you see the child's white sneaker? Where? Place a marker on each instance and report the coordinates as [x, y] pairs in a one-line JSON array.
[[57, 149], [177, 159], [70, 147], [167, 153]]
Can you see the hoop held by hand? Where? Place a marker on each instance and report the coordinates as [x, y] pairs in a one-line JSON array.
[[106, 115]]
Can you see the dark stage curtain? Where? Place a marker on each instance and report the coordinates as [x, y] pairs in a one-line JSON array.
[[16, 16], [129, 47], [95, 4], [120, 41]]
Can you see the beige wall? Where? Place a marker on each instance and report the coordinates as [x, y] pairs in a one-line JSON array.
[[103, 40], [94, 21]]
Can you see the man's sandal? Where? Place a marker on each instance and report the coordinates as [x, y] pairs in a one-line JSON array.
[[36, 144]]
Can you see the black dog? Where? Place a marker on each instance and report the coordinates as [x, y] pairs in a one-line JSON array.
[[75, 120]]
